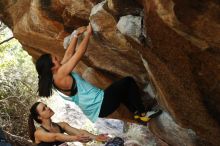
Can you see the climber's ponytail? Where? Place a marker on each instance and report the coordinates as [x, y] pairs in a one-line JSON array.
[[45, 75]]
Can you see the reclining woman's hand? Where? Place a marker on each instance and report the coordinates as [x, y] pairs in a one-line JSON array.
[[102, 137], [82, 138]]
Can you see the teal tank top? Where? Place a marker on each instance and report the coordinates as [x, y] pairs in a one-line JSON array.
[[88, 97]]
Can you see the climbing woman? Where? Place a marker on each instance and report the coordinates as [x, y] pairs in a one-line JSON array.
[[93, 101]]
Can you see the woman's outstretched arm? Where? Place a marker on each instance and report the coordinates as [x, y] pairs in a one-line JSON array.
[[67, 67], [71, 48], [73, 131], [43, 136]]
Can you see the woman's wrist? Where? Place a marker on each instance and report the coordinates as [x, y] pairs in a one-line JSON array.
[[74, 138], [91, 136], [75, 34], [87, 33]]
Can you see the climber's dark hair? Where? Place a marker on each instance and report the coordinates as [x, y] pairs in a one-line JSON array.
[[33, 116], [45, 75]]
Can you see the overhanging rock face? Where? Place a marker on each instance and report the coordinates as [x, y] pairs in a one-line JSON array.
[[172, 44]]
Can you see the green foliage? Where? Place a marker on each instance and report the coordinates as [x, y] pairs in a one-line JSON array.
[[18, 84]]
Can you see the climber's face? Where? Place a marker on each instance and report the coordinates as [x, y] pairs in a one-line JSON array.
[[56, 61], [44, 112]]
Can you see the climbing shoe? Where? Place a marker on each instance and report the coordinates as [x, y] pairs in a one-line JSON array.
[[141, 118], [136, 115], [146, 117]]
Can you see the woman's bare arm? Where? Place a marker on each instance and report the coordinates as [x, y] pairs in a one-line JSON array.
[[71, 48], [67, 67], [43, 136], [73, 131]]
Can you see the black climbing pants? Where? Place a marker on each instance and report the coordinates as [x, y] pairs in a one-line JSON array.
[[123, 91]]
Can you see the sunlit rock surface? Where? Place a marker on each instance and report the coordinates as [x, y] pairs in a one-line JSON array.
[[177, 52]]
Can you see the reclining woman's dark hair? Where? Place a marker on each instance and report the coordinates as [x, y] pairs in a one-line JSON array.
[[33, 116], [45, 75]]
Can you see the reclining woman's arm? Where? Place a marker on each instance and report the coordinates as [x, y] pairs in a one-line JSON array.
[[73, 131], [43, 136]]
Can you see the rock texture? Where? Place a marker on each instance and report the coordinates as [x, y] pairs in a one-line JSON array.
[[171, 44], [177, 67]]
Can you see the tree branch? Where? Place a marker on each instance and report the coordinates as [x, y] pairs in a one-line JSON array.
[[17, 140], [6, 40]]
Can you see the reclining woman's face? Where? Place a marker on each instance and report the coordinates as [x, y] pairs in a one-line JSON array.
[[44, 111]]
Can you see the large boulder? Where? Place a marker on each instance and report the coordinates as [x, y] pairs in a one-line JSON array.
[[172, 46], [182, 63]]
